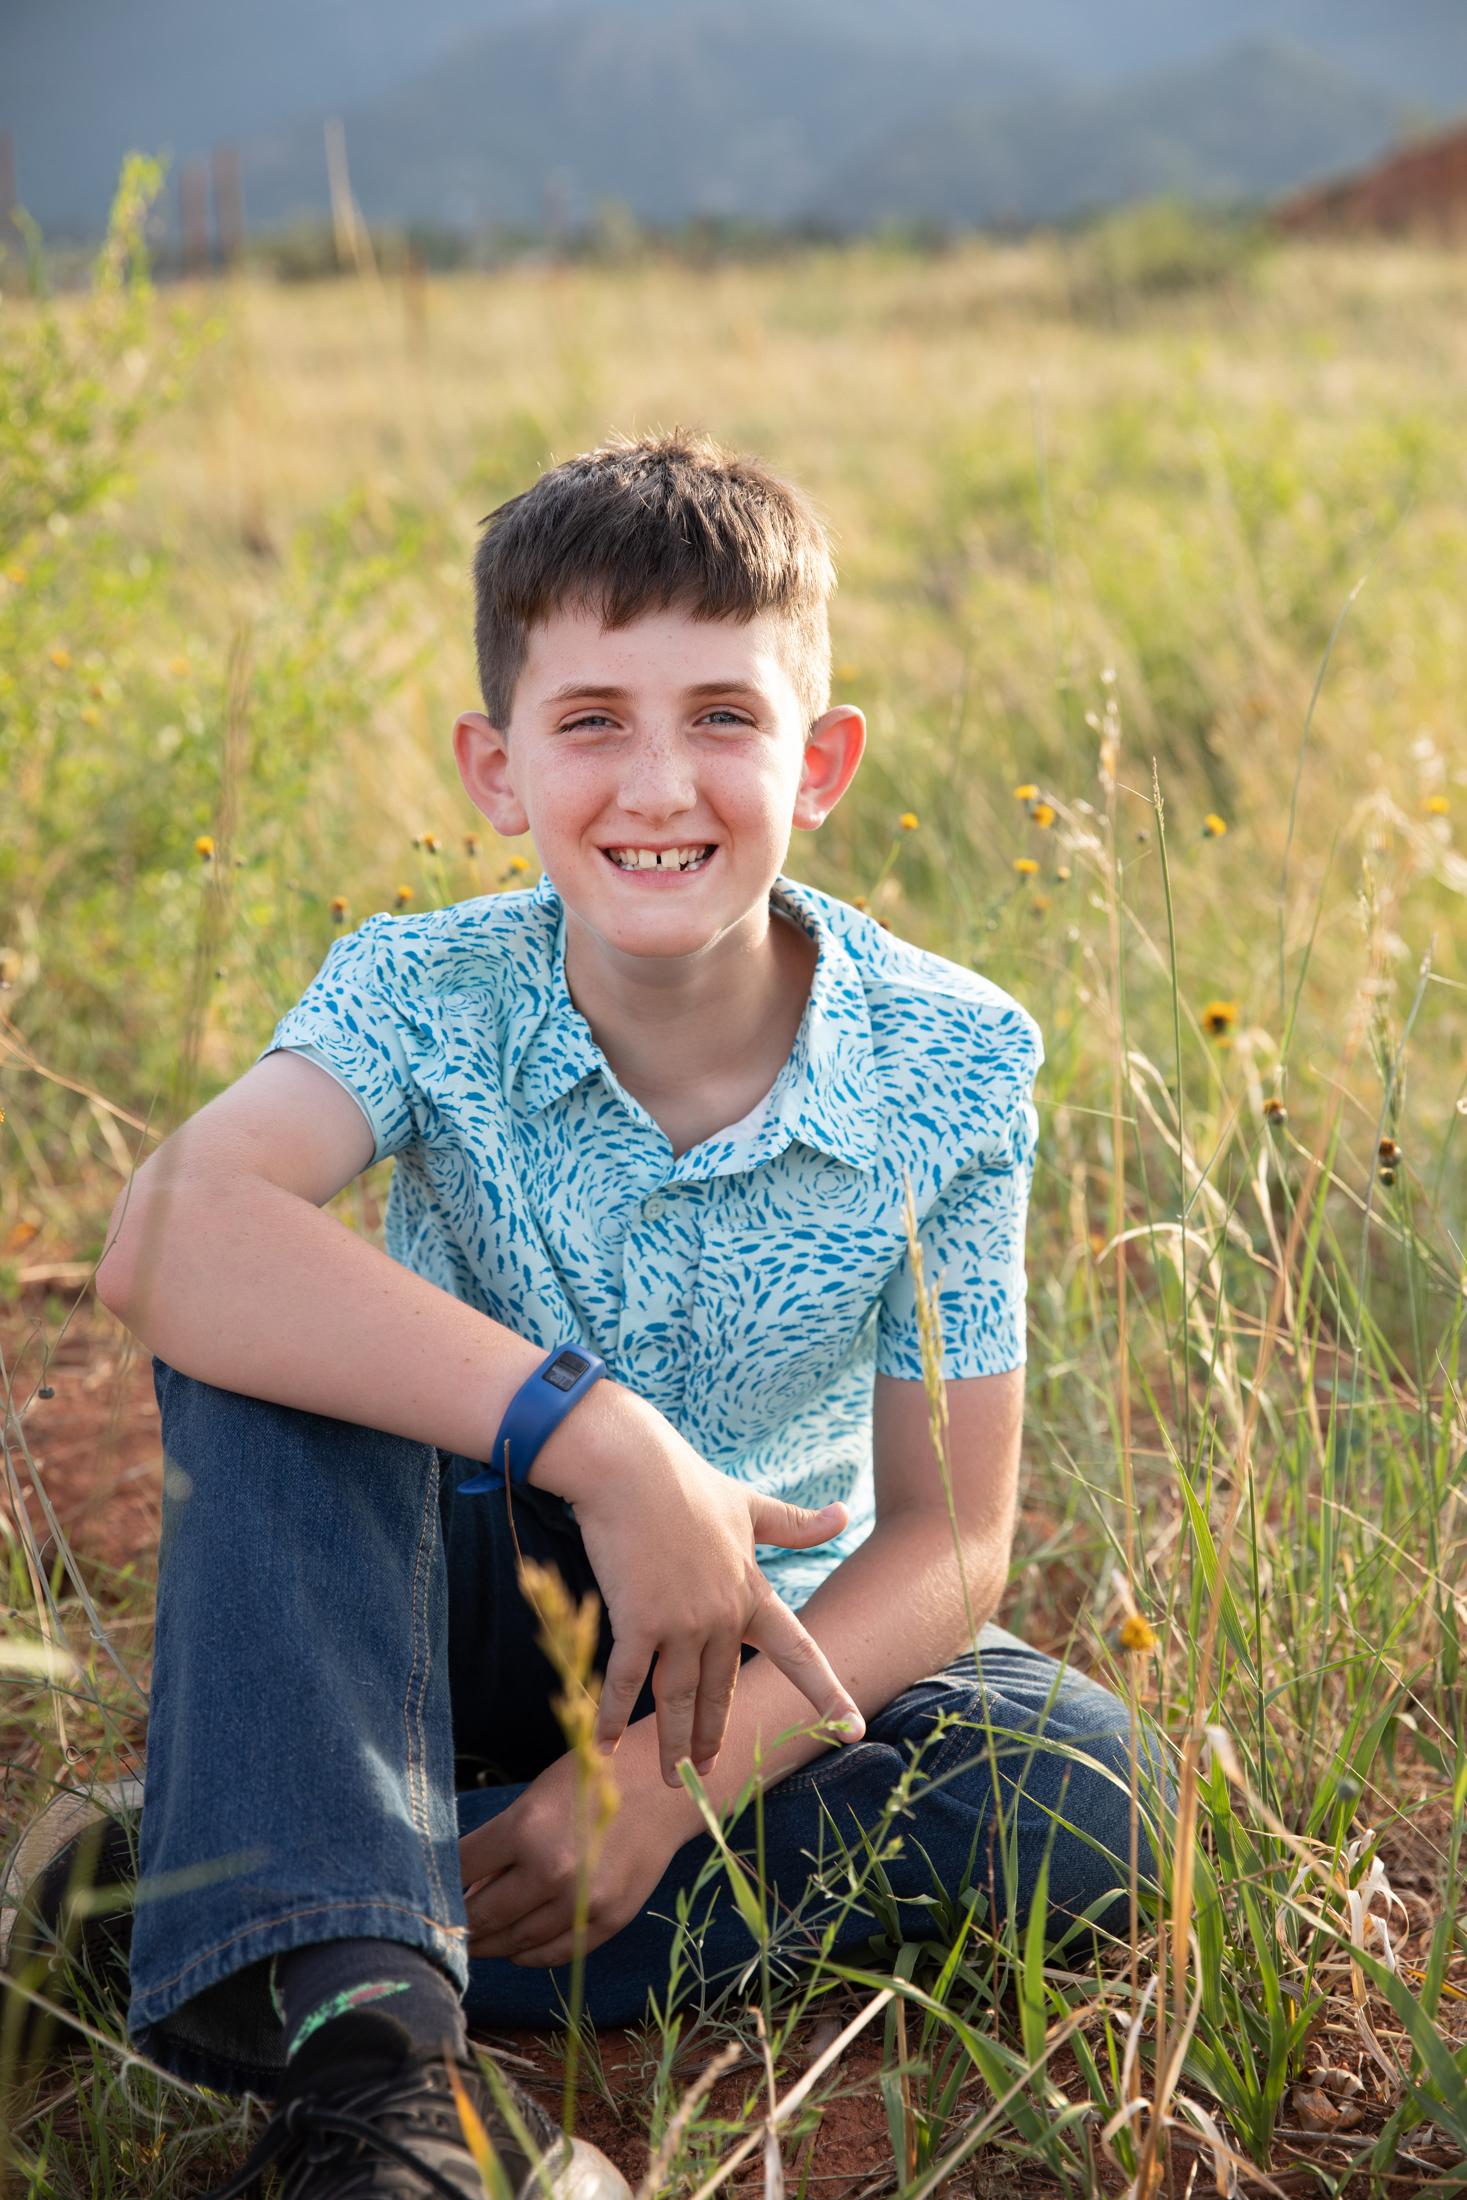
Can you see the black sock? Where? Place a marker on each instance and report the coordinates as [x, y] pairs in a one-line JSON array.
[[311, 1986]]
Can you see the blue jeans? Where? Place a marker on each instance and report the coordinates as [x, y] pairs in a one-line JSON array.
[[346, 1680]]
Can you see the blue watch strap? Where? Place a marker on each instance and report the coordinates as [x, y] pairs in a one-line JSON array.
[[536, 1408]]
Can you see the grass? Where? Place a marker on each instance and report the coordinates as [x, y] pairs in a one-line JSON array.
[[1158, 555]]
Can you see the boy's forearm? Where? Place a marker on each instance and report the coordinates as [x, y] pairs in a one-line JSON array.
[[249, 1287]]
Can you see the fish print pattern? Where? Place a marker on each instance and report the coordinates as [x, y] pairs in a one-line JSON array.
[[749, 1289]]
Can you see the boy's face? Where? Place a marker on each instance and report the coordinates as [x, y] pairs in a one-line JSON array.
[[659, 768]]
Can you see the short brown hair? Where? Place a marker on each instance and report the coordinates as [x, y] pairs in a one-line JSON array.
[[662, 522]]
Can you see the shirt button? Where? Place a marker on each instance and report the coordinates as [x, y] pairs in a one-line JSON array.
[[652, 1208]]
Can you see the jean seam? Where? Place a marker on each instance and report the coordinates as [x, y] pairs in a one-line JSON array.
[[419, 1672], [320, 1909]]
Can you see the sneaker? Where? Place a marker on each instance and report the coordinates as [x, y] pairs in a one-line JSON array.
[[73, 1953], [365, 2114]]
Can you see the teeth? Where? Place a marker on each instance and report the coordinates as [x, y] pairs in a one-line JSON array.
[[652, 859]]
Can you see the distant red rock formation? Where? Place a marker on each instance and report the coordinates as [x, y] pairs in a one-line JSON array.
[[1420, 191]]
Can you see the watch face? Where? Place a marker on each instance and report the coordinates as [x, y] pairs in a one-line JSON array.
[[566, 1370]]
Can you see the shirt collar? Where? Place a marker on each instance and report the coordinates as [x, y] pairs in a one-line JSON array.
[[825, 1096]]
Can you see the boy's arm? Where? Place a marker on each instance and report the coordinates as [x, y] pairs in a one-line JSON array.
[[890, 1613], [222, 1261]]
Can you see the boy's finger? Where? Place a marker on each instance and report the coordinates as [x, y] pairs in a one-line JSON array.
[[794, 1527], [718, 1673], [776, 1631], [675, 1687], [626, 1669]]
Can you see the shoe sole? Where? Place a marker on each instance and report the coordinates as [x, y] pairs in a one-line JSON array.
[[69, 1812]]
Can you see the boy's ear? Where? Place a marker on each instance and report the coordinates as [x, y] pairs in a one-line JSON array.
[[832, 753], [482, 756]]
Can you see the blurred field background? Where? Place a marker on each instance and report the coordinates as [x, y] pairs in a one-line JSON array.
[[1099, 503]]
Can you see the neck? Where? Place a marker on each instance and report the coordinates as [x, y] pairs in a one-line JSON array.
[[698, 1039]]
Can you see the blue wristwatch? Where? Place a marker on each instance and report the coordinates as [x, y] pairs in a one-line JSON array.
[[536, 1408]]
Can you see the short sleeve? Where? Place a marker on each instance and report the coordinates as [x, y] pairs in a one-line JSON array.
[[346, 1022], [973, 1251]]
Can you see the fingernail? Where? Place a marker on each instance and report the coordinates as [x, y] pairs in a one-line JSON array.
[[704, 1765]]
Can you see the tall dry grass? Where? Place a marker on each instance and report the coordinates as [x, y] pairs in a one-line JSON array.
[[1167, 562]]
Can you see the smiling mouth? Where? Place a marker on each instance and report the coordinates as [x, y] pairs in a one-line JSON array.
[[659, 859]]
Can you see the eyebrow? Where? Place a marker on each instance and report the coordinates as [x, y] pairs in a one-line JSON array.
[[575, 691]]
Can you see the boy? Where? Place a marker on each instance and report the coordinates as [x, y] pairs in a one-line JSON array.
[[660, 1112]]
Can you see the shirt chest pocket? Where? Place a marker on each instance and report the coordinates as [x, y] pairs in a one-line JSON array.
[[776, 1313]]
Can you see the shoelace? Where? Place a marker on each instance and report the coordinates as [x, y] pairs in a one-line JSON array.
[[305, 2118]]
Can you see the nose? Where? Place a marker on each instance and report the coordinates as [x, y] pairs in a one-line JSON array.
[[657, 779]]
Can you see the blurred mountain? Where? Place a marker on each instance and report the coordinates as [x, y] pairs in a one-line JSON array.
[[83, 80], [743, 112], [1250, 123]]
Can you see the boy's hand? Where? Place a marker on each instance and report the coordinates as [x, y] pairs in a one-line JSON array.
[[671, 1542], [519, 1870]]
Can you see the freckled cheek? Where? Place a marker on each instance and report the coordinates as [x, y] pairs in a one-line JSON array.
[[566, 803], [756, 807]]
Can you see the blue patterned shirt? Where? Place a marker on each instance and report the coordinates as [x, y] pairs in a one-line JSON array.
[[751, 1287]]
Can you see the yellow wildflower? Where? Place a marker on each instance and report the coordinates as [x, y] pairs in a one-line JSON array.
[[909, 821], [1213, 826], [91, 716], [204, 846], [1217, 1016], [1026, 866], [1038, 903], [1026, 793], [859, 902], [1043, 815], [61, 658], [519, 863], [338, 908], [1136, 1633], [404, 896], [16, 575], [178, 666], [1437, 805], [471, 844], [1062, 873], [429, 843], [1275, 1111]]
